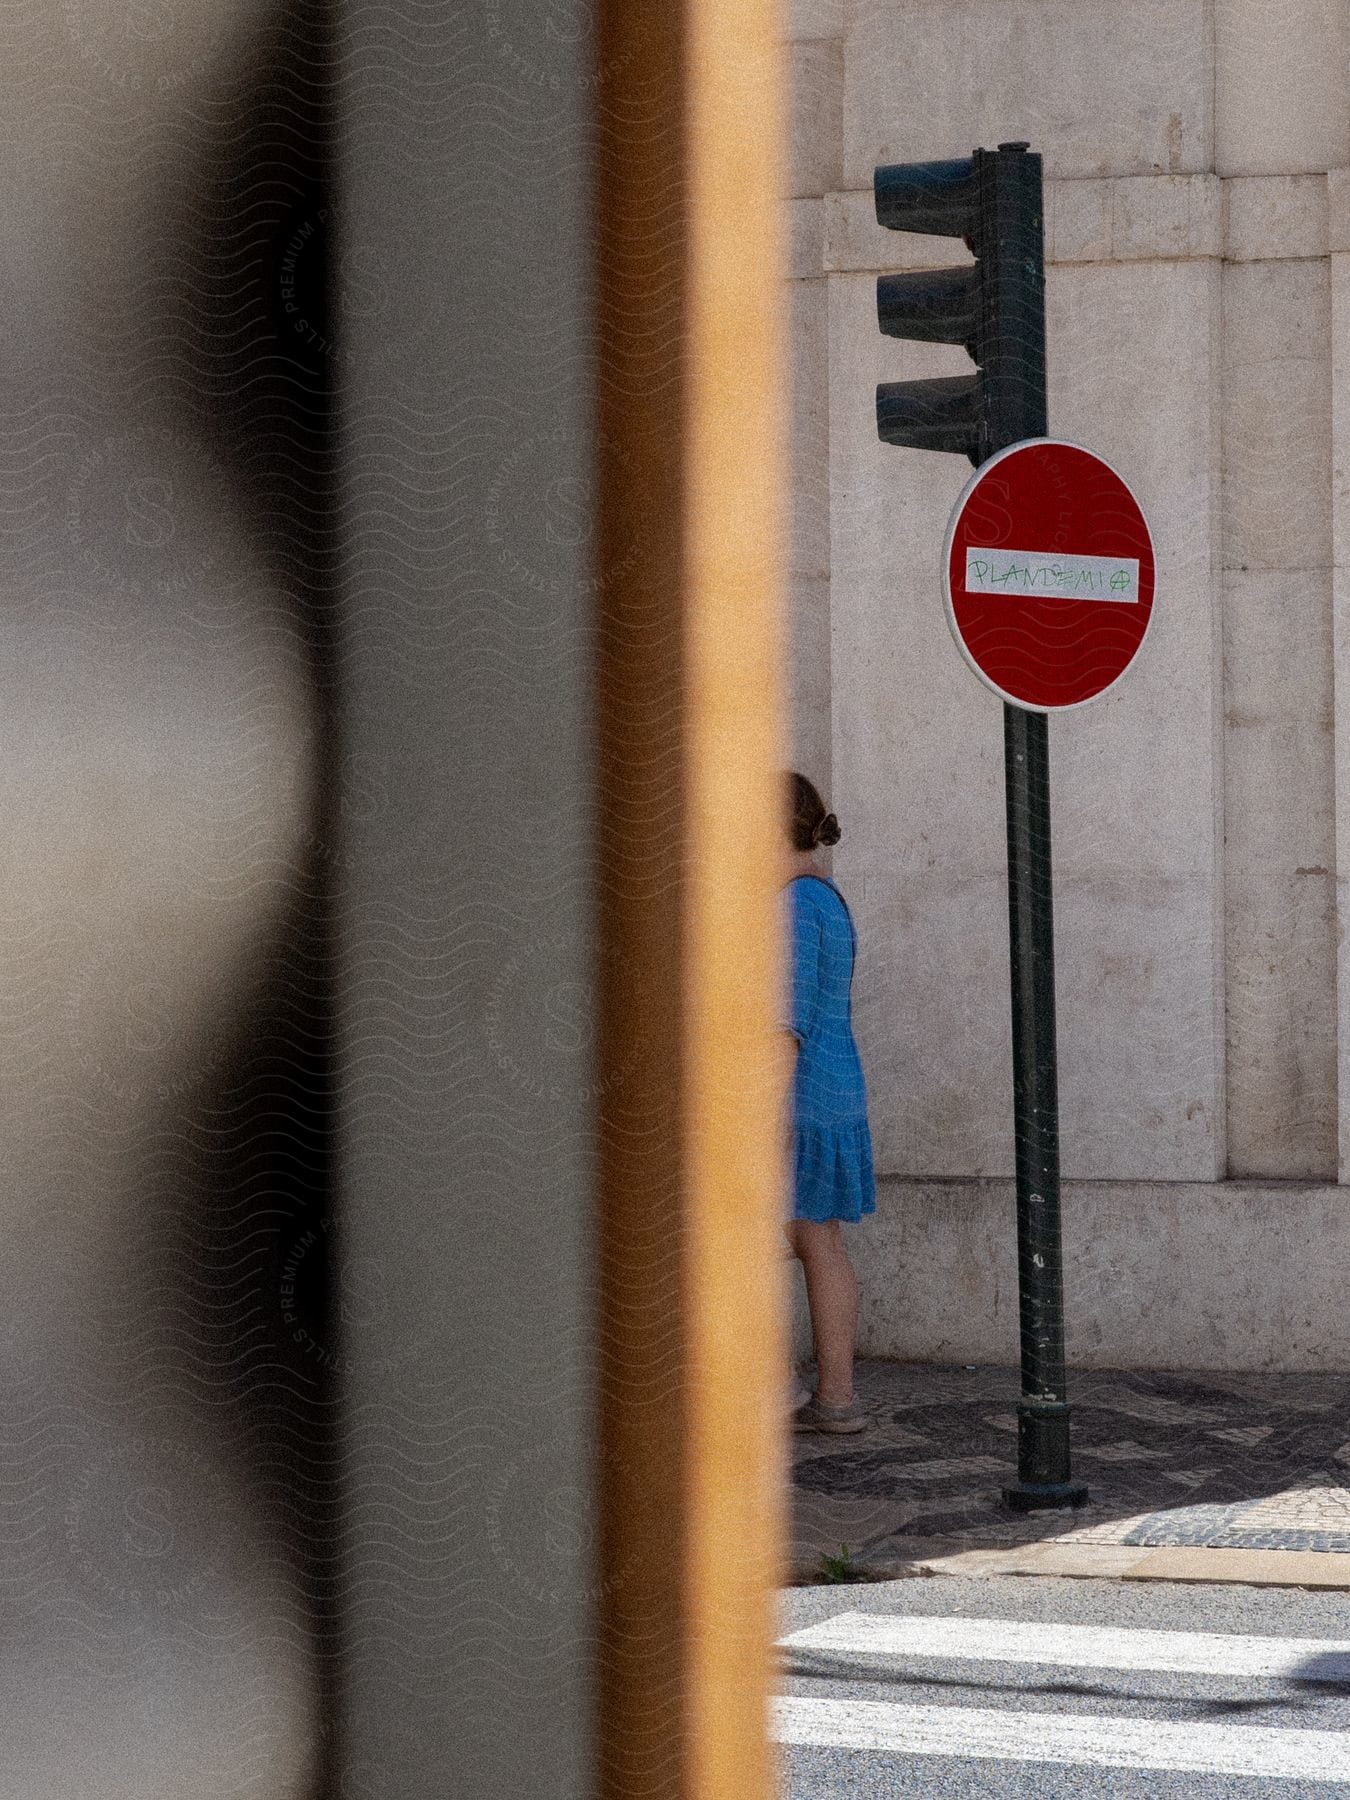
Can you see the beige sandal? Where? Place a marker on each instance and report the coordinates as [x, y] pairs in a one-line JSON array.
[[819, 1415]]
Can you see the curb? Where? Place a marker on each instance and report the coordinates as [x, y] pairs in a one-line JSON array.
[[1324, 1569]]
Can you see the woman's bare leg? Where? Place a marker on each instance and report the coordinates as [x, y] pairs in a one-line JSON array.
[[832, 1296]]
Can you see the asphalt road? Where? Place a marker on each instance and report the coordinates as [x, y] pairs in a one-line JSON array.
[[1046, 1689]]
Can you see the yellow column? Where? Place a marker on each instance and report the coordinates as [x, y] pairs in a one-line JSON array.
[[690, 379]]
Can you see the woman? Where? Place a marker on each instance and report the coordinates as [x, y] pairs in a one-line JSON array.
[[831, 1143]]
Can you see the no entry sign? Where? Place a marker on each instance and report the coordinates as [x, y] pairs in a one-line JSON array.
[[1048, 575]]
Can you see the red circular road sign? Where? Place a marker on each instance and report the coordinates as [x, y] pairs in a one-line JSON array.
[[1048, 575]]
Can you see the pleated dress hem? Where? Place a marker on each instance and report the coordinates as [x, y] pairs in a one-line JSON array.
[[833, 1176]]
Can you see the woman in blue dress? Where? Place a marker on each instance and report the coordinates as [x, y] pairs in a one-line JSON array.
[[831, 1144]]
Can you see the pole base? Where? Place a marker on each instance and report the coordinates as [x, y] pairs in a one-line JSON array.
[[1031, 1496]]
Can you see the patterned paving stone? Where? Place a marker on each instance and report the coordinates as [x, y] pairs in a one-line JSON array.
[[1125, 1451], [1210, 1459]]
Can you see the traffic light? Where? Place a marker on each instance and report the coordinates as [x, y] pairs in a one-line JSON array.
[[995, 307]]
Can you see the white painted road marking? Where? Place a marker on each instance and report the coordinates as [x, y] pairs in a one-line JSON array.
[[1087, 1739], [1076, 1646]]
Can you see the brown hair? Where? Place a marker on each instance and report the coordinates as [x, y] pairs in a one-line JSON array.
[[811, 825]]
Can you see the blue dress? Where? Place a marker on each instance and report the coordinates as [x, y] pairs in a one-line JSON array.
[[833, 1176]]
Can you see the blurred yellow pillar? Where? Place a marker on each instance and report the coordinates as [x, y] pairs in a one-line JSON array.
[[690, 379]]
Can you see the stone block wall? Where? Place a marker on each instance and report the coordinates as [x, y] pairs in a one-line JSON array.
[[1197, 241]]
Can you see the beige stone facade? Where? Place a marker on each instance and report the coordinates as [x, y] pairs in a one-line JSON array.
[[1198, 300]]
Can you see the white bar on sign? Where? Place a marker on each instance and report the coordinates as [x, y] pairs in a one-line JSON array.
[[1037, 574], [1077, 1646], [1092, 1740]]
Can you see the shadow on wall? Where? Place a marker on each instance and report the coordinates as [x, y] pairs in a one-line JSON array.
[[167, 726]]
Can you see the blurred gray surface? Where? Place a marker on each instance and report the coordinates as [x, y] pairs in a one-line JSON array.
[[465, 603]]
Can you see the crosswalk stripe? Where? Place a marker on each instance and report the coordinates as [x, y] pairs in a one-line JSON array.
[[1085, 1739], [1077, 1646]]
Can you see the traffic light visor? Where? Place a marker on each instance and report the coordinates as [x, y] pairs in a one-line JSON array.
[[939, 305], [940, 198], [940, 414]]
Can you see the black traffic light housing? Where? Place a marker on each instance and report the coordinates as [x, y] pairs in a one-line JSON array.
[[995, 307]]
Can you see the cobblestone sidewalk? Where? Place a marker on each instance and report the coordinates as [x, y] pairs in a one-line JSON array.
[[1249, 1462]]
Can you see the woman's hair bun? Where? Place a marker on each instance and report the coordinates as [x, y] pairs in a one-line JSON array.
[[810, 824]]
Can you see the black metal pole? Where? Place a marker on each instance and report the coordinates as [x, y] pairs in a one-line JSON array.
[[1043, 1465], [1015, 407]]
